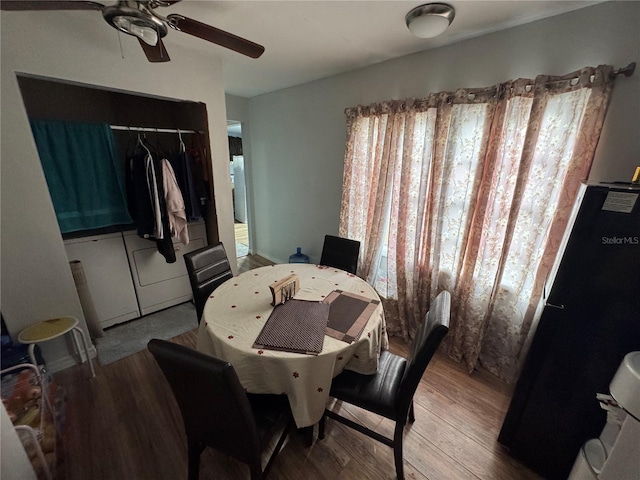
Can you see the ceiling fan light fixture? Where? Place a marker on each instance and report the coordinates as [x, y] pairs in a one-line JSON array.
[[430, 20], [133, 21], [147, 34]]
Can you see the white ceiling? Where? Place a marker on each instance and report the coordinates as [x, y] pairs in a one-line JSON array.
[[306, 40]]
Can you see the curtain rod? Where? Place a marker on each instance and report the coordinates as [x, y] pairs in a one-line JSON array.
[[626, 71], [152, 130]]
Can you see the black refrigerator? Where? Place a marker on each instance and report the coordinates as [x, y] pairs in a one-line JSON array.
[[591, 319]]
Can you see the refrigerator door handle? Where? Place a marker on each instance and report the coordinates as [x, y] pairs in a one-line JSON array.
[[559, 307]]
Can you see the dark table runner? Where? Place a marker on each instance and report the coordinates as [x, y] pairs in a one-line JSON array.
[[295, 326]]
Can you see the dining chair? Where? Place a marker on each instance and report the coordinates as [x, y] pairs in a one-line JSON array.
[[341, 253], [208, 267], [216, 410], [389, 392]]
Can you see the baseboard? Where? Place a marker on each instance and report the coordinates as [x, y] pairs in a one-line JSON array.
[[67, 361], [271, 259]]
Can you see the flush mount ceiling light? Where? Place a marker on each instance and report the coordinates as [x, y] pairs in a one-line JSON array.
[[430, 20]]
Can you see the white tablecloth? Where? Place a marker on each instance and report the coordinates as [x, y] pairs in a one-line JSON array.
[[236, 312]]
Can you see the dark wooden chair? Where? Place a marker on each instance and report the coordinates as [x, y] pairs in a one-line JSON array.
[[389, 392], [208, 267], [217, 412], [340, 253]]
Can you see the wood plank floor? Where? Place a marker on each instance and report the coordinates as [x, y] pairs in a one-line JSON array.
[[241, 231], [125, 425], [250, 262]]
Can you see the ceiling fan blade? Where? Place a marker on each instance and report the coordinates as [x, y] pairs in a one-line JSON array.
[[27, 5], [215, 35], [155, 54]]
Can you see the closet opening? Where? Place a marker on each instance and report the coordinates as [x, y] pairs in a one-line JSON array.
[[127, 273]]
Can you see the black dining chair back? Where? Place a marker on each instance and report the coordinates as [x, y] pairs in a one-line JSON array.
[[389, 392], [340, 253], [208, 267], [217, 412]]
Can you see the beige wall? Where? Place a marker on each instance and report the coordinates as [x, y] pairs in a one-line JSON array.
[[298, 134], [36, 282]]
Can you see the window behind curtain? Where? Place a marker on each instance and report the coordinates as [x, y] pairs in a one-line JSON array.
[[470, 192]]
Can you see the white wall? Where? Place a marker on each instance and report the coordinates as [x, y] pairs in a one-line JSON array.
[[298, 134], [79, 46]]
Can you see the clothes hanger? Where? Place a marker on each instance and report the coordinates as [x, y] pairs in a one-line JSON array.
[[182, 147], [142, 143]]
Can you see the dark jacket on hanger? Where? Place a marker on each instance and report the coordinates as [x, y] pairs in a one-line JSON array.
[[143, 203]]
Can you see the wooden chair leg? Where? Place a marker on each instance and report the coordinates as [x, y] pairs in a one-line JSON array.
[[256, 472], [397, 450], [412, 417], [278, 447], [321, 426], [307, 435], [193, 453], [307, 432]]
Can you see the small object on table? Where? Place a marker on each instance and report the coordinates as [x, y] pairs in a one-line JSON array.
[[299, 257], [54, 328], [284, 289]]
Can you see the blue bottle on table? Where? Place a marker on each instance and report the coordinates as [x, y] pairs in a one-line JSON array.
[[299, 257]]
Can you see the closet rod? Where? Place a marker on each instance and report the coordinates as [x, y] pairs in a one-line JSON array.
[[149, 129]]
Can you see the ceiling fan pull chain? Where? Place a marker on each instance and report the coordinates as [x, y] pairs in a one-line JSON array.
[[120, 42]]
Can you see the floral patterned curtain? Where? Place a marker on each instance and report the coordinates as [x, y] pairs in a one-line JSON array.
[[470, 192]]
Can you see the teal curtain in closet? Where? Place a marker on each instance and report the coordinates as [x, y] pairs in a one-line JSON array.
[[86, 179]]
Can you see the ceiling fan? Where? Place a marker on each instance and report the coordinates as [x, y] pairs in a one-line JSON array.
[[139, 18]]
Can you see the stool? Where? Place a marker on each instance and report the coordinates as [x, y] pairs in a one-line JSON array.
[[54, 328]]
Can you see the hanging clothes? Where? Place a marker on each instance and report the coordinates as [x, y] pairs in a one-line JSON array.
[[140, 203], [200, 170], [182, 164], [164, 244], [147, 203], [175, 203], [153, 184]]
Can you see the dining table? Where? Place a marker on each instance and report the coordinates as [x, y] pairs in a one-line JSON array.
[[239, 311]]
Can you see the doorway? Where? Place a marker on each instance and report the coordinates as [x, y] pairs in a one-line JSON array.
[[238, 188]]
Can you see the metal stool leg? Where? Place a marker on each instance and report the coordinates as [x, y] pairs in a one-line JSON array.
[[32, 355], [86, 349], [77, 344]]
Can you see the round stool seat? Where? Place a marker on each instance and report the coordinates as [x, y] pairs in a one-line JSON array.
[[54, 328], [47, 330]]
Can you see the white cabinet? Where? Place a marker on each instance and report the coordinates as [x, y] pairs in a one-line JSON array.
[[106, 267], [159, 284]]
